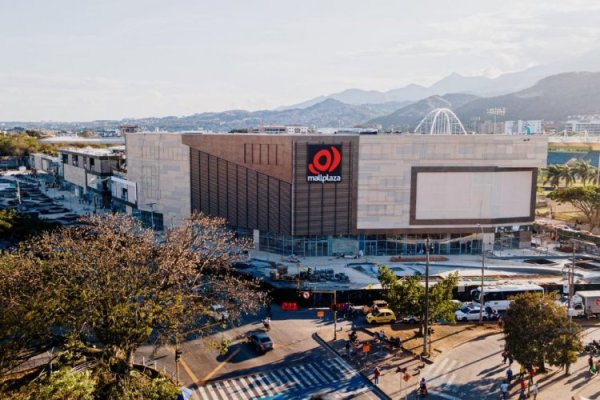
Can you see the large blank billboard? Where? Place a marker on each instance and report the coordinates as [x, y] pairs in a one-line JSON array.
[[455, 195]]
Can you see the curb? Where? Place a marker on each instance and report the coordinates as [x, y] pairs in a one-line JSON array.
[[431, 361], [329, 348]]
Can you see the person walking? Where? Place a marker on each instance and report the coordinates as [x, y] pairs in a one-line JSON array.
[[522, 372], [531, 371], [535, 391], [376, 375], [504, 356], [504, 390], [509, 375]]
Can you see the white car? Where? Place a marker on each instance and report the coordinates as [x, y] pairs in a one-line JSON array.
[[469, 314]]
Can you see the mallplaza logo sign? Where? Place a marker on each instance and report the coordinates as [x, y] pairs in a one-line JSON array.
[[324, 163]]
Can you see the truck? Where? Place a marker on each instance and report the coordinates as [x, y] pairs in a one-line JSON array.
[[591, 302]]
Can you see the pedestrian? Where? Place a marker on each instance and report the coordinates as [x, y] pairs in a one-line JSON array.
[[522, 395], [510, 359], [534, 391], [348, 348], [532, 373], [509, 375], [591, 362], [504, 356], [504, 390], [376, 374], [522, 383], [522, 372]]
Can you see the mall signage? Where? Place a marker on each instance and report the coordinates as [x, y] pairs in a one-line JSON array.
[[324, 163]]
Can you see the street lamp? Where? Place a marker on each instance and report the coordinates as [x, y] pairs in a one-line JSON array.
[[481, 302]]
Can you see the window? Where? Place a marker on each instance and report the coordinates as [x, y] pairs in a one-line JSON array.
[[92, 161], [124, 194], [65, 158], [75, 161]]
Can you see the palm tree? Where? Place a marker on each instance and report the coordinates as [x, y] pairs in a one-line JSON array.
[[584, 170], [567, 173], [553, 175]]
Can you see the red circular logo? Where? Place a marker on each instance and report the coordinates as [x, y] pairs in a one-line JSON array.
[[325, 160]]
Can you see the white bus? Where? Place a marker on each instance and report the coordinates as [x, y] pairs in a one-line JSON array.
[[498, 297]]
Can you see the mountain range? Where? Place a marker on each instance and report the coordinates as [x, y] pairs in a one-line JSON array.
[[536, 93], [456, 83]]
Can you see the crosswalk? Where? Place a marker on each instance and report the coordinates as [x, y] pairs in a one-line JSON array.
[[298, 381], [446, 378]]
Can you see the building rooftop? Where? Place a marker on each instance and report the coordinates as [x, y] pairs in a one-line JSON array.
[[90, 151]]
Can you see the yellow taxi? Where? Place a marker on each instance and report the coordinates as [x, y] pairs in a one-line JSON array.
[[382, 316]]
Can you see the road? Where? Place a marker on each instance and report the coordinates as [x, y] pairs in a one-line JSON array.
[[297, 367], [474, 370]]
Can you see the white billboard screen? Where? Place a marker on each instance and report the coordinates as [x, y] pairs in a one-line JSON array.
[[473, 195]]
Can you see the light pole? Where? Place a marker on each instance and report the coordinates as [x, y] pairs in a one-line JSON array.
[[426, 332], [481, 302]]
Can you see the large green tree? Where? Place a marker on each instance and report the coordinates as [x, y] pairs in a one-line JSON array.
[[406, 295], [112, 285], [584, 198], [538, 331]]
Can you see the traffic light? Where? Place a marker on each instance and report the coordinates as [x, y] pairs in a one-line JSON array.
[[178, 354]]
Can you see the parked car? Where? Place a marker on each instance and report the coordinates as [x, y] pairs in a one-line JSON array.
[[261, 342], [382, 316], [379, 304], [471, 314], [411, 319]]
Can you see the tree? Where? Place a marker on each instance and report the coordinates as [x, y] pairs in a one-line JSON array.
[[584, 198], [61, 385], [110, 284], [406, 296], [585, 171], [537, 330]]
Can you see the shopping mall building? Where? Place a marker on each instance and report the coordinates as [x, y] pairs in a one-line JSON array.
[[318, 195]]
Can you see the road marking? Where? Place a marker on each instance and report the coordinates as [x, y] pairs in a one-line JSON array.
[[217, 368], [188, 370], [444, 395]]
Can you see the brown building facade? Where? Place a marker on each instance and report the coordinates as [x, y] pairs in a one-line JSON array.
[[264, 182]]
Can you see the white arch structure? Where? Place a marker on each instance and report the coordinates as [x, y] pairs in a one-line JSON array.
[[441, 121]]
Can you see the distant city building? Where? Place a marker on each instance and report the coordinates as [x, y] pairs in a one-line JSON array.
[[583, 123], [46, 163], [281, 129], [123, 129], [520, 127], [87, 172]]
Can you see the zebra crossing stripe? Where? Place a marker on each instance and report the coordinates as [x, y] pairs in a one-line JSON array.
[[293, 377], [220, 390], [247, 387], [453, 376], [431, 374], [285, 382], [322, 371], [318, 379], [300, 376], [308, 377], [203, 392], [268, 383], [238, 390]]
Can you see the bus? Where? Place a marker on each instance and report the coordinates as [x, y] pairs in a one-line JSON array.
[[499, 297]]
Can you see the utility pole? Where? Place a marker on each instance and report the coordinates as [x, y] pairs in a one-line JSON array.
[[426, 332], [481, 302]]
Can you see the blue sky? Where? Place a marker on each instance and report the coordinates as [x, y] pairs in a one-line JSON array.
[[82, 60]]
